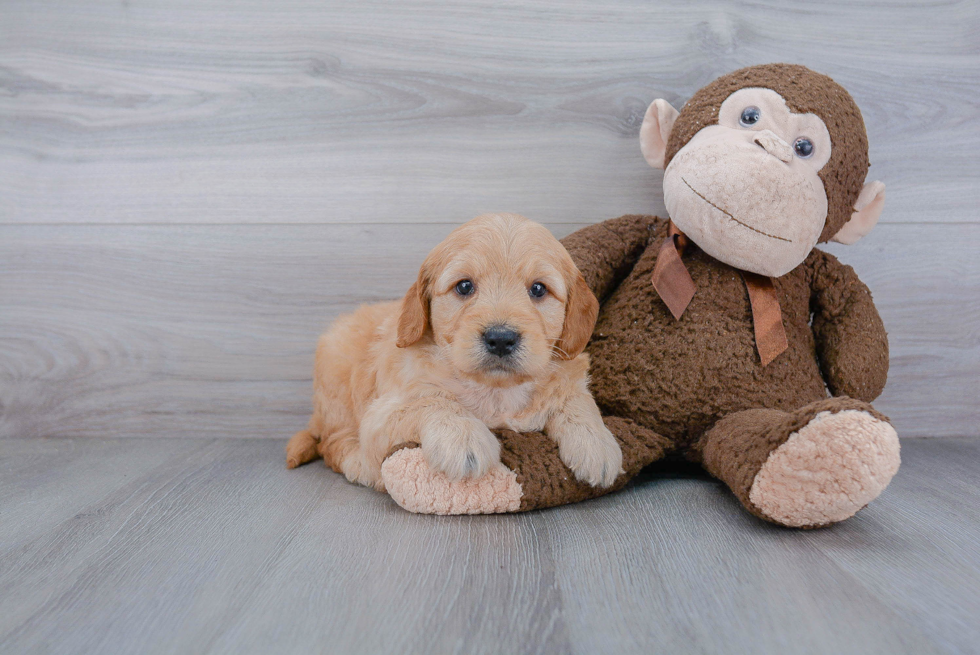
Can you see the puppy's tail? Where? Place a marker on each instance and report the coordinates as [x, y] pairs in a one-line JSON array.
[[301, 449]]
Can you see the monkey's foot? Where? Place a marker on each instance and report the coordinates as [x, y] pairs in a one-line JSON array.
[[826, 471], [420, 489]]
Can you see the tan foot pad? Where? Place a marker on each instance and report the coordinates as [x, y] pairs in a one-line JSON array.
[[826, 472], [417, 488]]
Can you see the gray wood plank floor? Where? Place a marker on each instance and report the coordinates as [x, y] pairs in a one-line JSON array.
[[210, 545]]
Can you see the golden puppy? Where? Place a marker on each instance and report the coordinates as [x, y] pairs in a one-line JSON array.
[[489, 336]]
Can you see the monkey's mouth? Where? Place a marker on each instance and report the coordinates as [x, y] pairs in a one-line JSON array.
[[729, 215]]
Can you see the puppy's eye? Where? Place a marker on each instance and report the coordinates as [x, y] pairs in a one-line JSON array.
[[803, 147], [464, 287], [750, 116], [537, 290]]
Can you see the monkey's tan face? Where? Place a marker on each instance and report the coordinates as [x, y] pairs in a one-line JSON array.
[[747, 190]]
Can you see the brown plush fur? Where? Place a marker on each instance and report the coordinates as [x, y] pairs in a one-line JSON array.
[[695, 386], [739, 444], [679, 378]]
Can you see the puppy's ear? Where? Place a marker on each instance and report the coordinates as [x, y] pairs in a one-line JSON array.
[[581, 310], [415, 313]]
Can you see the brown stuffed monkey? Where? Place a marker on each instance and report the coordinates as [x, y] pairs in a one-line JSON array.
[[723, 334]]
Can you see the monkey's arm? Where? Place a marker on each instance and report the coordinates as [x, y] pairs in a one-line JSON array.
[[852, 344], [533, 475], [606, 252]]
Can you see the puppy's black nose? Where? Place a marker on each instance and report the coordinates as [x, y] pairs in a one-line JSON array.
[[501, 340]]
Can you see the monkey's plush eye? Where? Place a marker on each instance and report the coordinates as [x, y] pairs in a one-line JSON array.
[[750, 116], [464, 287], [803, 147], [537, 290]]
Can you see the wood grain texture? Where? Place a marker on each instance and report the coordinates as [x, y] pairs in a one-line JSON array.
[[211, 545], [153, 111], [190, 191], [177, 331]]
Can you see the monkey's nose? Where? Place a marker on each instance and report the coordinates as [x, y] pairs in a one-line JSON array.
[[501, 340], [771, 143]]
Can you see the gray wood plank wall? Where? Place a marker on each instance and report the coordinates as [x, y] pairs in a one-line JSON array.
[[190, 192]]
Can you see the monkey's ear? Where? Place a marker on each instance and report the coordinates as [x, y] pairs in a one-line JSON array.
[[867, 209], [655, 131]]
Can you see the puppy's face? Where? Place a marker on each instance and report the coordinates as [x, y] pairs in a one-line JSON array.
[[500, 298]]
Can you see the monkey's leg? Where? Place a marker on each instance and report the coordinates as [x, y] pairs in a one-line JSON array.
[[806, 469], [532, 475]]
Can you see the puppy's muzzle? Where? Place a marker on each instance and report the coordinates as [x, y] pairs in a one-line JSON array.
[[501, 340]]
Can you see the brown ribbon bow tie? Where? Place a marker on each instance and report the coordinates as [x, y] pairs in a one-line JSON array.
[[676, 289]]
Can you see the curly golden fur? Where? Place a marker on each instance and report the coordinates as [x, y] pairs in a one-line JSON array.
[[422, 370]]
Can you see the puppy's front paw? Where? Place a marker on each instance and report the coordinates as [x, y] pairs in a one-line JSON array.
[[460, 447], [592, 453]]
